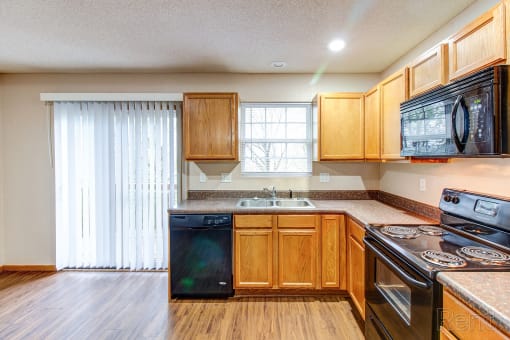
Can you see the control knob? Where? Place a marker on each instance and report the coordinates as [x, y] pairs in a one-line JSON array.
[[455, 200], [447, 198]]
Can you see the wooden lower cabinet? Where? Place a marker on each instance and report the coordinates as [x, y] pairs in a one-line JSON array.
[[253, 262], [290, 252], [356, 265], [297, 258], [462, 322], [333, 252]]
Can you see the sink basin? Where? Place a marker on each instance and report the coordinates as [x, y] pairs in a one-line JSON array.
[[290, 203], [255, 203], [274, 203]]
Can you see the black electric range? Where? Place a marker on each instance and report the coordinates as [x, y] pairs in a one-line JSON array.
[[403, 297]]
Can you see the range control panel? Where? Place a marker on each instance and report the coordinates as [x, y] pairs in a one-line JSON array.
[[477, 207]]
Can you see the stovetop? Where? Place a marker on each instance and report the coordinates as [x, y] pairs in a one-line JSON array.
[[471, 224], [448, 245]]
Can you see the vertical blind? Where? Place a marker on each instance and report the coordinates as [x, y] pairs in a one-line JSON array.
[[115, 177]]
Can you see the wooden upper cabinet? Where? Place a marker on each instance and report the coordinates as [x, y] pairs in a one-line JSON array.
[[372, 124], [393, 91], [479, 44], [333, 252], [210, 126], [428, 71], [341, 126]]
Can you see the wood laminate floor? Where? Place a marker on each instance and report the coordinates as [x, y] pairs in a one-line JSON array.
[[128, 305]]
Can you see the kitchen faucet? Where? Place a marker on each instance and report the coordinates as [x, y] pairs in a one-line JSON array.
[[270, 192]]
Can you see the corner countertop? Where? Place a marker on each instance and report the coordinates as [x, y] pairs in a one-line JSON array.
[[365, 211], [488, 293]]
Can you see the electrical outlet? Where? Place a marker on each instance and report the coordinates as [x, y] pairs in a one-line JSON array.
[[423, 184], [203, 177], [324, 177], [226, 177]]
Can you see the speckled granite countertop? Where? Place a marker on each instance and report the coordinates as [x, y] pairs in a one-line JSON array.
[[365, 211], [487, 292]]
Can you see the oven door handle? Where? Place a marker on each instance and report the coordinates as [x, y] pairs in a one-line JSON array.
[[409, 279]]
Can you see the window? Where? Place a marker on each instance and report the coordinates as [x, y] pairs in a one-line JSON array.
[[116, 174], [276, 138]]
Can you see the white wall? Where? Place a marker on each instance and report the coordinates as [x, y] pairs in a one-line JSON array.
[[484, 175], [29, 230]]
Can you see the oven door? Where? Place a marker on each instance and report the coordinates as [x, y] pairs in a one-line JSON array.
[[400, 301]]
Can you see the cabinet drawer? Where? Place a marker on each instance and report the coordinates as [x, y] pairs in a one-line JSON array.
[[298, 221], [253, 221], [465, 323], [356, 231]]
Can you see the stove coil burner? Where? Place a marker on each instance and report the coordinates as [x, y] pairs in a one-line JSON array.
[[484, 255], [443, 259], [431, 230], [400, 232]]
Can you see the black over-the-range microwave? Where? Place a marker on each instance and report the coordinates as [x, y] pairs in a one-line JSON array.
[[466, 118]]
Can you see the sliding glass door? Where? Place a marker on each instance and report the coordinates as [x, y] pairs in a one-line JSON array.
[[116, 174]]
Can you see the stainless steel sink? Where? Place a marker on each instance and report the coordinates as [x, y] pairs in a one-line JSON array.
[[293, 203], [255, 203], [274, 203]]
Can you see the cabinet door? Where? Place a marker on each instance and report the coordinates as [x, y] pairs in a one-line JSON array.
[[297, 258], [465, 323], [333, 252], [210, 126], [479, 44], [356, 266], [253, 263], [341, 126], [428, 71], [372, 124], [393, 91]]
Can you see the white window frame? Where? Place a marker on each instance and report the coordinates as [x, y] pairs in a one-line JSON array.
[[308, 139]]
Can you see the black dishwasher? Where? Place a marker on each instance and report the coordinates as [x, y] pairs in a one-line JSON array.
[[201, 255]]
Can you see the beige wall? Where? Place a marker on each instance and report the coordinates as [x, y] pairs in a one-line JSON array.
[[485, 175], [28, 222], [343, 176], [1, 179]]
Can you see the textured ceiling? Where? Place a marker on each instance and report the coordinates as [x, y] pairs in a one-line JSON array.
[[213, 36]]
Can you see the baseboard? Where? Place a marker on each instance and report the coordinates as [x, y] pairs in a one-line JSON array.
[[29, 268]]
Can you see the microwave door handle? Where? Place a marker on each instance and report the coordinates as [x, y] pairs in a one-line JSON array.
[[461, 144], [409, 279]]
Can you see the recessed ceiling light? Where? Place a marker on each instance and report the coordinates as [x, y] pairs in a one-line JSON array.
[[336, 45], [278, 64]]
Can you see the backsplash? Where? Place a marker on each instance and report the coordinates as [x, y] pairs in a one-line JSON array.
[[312, 194]]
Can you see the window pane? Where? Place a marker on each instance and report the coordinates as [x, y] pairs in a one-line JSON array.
[[296, 131], [275, 131], [258, 115], [275, 114], [295, 150], [296, 114], [258, 131]]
